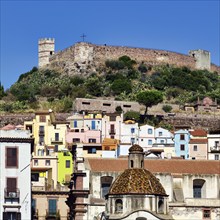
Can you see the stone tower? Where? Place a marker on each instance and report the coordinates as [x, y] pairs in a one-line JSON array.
[[202, 57], [46, 47]]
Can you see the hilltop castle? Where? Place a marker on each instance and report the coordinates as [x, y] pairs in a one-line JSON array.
[[83, 56]]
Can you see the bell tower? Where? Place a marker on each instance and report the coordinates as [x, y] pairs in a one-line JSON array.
[[136, 157], [46, 48]]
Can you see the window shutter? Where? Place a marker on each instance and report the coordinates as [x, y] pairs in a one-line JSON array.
[[5, 216]]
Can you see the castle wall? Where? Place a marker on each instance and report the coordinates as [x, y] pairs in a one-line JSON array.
[[83, 57]]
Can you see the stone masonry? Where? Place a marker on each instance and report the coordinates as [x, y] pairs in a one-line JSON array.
[[83, 58]]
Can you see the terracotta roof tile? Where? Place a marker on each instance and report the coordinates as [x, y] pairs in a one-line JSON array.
[[198, 133], [158, 166], [198, 141]]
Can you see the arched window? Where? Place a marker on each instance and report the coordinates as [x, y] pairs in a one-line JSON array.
[[132, 163], [198, 188], [106, 182], [118, 206], [142, 164], [160, 205]]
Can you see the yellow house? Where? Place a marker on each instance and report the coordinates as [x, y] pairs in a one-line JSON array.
[[48, 133], [65, 167]]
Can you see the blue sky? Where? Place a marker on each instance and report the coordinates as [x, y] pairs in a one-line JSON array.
[[175, 25]]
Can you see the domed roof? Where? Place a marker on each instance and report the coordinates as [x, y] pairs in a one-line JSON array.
[[136, 148], [137, 181]]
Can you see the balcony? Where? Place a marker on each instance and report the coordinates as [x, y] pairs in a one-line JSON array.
[[56, 140], [41, 132], [215, 149], [112, 131], [12, 194], [52, 215]]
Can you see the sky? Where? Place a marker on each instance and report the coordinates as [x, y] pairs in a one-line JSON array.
[[173, 25]]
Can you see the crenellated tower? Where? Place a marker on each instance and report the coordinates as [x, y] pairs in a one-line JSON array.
[[46, 48]]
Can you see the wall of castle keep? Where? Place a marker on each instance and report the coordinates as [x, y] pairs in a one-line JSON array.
[[81, 55]]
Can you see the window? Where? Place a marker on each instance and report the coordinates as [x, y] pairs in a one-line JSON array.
[[161, 205], [160, 133], [35, 177], [182, 147], [56, 136], [11, 157], [75, 124], [106, 182], [67, 163], [127, 106], [118, 206], [107, 148], [182, 137], [112, 136], [56, 148], [150, 131], [195, 148], [198, 188], [35, 162], [33, 207], [93, 125], [132, 163], [150, 142], [106, 104], [132, 140], [216, 157], [47, 162], [132, 130], [52, 206], [76, 140], [216, 143], [92, 151], [11, 186], [42, 118], [41, 128], [86, 103], [161, 141], [112, 118], [41, 140], [11, 216], [92, 140], [206, 214]]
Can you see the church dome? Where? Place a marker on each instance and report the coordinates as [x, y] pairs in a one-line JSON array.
[[135, 148], [137, 181]]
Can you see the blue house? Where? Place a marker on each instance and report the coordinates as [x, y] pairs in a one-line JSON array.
[[181, 143]]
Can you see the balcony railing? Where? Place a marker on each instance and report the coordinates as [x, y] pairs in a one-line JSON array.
[[56, 140], [12, 193], [51, 214], [112, 131]]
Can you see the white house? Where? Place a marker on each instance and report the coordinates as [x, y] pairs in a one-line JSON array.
[[16, 147], [213, 146], [146, 136]]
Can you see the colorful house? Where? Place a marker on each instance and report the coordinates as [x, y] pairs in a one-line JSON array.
[[181, 143]]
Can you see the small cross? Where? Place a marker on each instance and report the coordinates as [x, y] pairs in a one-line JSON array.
[[83, 37]]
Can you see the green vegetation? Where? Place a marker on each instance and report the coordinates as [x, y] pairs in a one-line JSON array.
[[149, 98], [167, 108], [123, 79]]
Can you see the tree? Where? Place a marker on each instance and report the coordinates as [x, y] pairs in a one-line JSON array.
[[120, 85], [149, 98], [132, 115]]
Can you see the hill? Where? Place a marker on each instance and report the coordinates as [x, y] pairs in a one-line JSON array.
[[122, 78]]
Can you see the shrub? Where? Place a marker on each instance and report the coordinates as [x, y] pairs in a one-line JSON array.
[[167, 108]]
